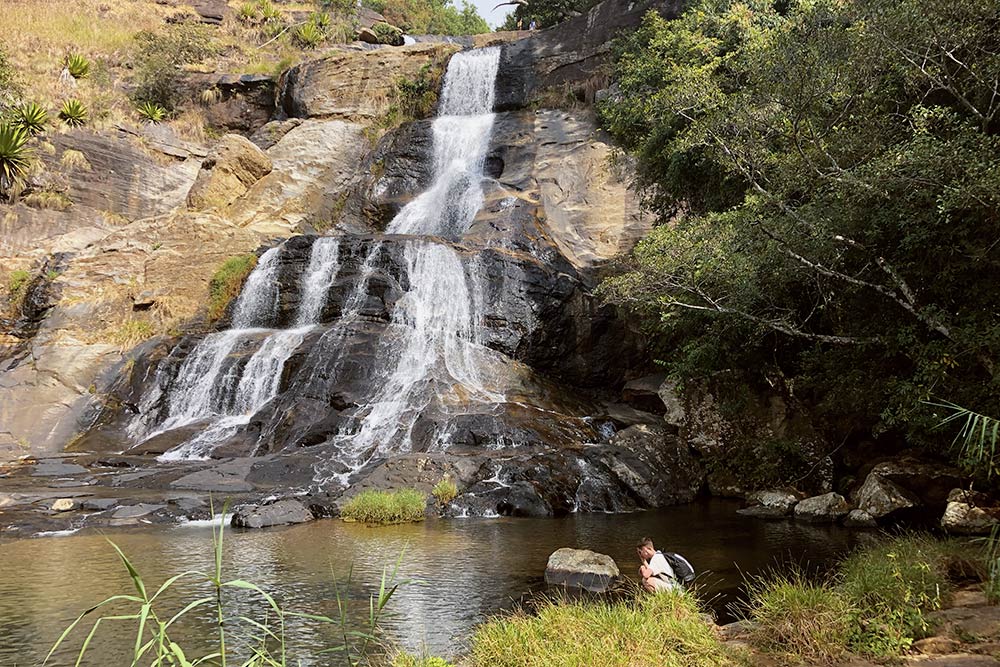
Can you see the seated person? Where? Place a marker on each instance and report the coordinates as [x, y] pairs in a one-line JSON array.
[[655, 571]]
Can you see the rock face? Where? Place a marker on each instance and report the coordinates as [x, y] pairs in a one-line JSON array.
[[353, 85], [579, 568], [827, 508], [280, 513], [231, 168]]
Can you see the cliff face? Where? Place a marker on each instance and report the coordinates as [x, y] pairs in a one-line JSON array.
[[130, 261]]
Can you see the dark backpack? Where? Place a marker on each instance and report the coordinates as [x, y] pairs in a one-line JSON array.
[[683, 570]]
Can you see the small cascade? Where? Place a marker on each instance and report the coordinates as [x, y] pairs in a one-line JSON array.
[[257, 304], [324, 263]]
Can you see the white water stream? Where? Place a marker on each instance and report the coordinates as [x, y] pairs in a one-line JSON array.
[[430, 350]]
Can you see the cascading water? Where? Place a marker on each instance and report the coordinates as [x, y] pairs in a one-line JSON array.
[[430, 351]]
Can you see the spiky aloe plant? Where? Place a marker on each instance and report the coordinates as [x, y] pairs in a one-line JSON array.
[[151, 112], [31, 117], [78, 66], [309, 35], [73, 113], [15, 156]]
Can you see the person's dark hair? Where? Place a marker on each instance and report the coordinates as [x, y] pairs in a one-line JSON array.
[[644, 542]]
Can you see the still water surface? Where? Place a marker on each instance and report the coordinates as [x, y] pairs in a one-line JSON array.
[[468, 569]]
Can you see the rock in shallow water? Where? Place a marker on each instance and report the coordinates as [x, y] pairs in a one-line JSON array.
[[277, 514], [770, 504], [966, 519], [829, 507], [580, 568]]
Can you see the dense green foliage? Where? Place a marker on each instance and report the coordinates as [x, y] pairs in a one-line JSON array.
[[876, 605], [827, 182], [157, 59], [445, 490], [30, 117], [385, 507], [227, 281], [430, 17], [545, 13], [666, 630]]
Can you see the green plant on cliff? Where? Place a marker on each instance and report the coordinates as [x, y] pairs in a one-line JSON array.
[[445, 490], [15, 157], [151, 112], [31, 117], [828, 201], [78, 66], [73, 113], [309, 35], [385, 507], [157, 58], [17, 288], [226, 283], [387, 34]]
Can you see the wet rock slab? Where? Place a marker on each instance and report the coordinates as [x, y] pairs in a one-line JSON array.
[[280, 513]]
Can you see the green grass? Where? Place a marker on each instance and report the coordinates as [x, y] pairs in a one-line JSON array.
[[226, 283], [445, 491], [385, 507], [17, 288], [130, 333], [408, 660], [802, 621], [665, 630]]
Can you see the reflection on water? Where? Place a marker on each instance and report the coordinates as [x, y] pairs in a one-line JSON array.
[[468, 569]]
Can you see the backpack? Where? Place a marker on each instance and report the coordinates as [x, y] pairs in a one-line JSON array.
[[683, 570]]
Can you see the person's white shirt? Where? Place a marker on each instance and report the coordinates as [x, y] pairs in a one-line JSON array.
[[659, 566]]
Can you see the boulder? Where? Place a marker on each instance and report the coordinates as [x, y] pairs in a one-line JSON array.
[[276, 514], [367, 35], [770, 504], [232, 166], [63, 504], [827, 508], [671, 398], [643, 393], [930, 482], [965, 519], [881, 498], [580, 568], [859, 519]]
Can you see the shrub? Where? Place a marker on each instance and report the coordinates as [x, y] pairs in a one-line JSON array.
[[893, 584], [157, 57], [74, 159], [48, 199], [151, 112], [17, 283], [445, 491], [666, 630], [309, 35], [805, 621], [385, 507], [226, 283], [31, 117], [418, 97], [73, 113], [15, 157], [78, 66], [388, 34]]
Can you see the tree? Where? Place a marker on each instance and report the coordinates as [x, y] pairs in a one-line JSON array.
[[827, 181]]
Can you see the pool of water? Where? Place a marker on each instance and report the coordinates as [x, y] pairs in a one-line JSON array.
[[464, 570]]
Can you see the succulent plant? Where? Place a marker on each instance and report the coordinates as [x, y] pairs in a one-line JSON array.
[[78, 66], [151, 112], [31, 117], [73, 113], [15, 156]]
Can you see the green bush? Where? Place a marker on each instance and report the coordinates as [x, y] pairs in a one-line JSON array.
[[227, 281], [893, 585], [666, 630], [15, 157], [31, 117], [73, 113], [17, 285], [388, 34], [385, 507], [78, 66], [157, 58], [804, 621], [445, 491]]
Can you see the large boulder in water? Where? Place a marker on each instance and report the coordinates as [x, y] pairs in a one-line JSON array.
[[881, 498], [770, 504], [827, 508], [580, 568], [276, 514]]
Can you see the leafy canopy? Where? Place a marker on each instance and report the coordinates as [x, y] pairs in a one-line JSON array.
[[827, 182]]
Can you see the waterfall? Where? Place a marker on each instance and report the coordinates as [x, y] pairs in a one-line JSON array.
[[429, 354]]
